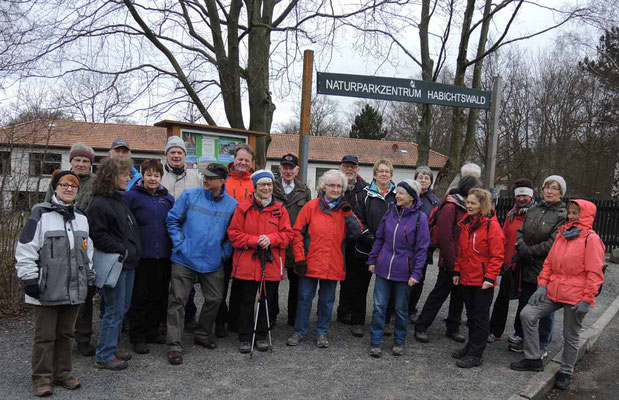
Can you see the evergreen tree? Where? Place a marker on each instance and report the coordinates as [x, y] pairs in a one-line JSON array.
[[368, 125]]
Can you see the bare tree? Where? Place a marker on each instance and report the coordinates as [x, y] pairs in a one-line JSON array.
[[324, 119]]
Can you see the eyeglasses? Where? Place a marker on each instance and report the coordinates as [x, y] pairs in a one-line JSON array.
[[349, 166], [66, 186], [333, 186], [552, 188], [263, 184]]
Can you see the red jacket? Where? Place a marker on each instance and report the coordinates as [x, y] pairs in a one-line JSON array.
[[239, 185], [250, 220], [509, 231], [573, 269], [320, 235], [480, 250]]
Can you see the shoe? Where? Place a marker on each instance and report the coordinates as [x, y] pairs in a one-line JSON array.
[[544, 354], [468, 362], [115, 364], [295, 339], [527, 365], [86, 349], [42, 390], [421, 337], [389, 329], [175, 357], [208, 342], [515, 339], [458, 354], [492, 338], [357, 330], [412, 318], [141, 348], [516, 347], [71, 383], [244, 347], [562, 381], [159, 339], [375, 352], [191, 325], [397, 350], [322, 342], [262, 345], [220, 330], [345, 318], [456, 336], [123, 354]]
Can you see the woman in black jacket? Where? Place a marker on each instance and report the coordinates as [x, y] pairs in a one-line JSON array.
[[113, 229]]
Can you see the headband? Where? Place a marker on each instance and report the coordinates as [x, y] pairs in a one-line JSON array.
[[523, 191]]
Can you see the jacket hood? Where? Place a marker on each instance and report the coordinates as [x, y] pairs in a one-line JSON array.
[[587, 214], [456, 199]]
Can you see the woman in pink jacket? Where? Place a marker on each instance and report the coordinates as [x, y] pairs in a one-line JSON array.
[[570, 279]]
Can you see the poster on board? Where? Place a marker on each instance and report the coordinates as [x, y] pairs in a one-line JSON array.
[[204, 148]]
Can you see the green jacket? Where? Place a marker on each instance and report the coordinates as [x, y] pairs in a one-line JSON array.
[[293, 202], [84, 195], [538, 232]]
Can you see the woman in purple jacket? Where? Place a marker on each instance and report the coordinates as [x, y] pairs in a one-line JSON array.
[[397, 259]]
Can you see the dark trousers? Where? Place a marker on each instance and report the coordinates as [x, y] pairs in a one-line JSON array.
[[53, 343], [229, 312], [350, 286], [477, 302], [247, 291], [293, 295], [149, 301], [416, 292], [83, 325], [500, 310], [546, 324], [442, 289]]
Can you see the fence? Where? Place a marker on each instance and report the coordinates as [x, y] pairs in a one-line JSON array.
[[606, 222]]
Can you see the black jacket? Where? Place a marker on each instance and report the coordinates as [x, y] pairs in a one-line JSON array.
[[429, 201], [371, 208], [113, 228], [353, 195]]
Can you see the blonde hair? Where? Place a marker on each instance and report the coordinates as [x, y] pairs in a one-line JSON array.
[[485, 199], [385, 161]]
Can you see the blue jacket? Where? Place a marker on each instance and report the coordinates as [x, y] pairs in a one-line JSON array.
[[401, 245], [135, 176], [151, 212], [197, 225]]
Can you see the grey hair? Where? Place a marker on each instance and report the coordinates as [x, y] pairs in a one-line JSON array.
[[424, 170], [471, 169], [332, 173]]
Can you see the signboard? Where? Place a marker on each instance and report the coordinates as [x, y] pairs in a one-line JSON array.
[[204, 148], [396, 89]]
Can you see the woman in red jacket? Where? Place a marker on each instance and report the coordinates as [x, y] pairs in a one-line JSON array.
[[480, 256], [258, 224], [570, 279]]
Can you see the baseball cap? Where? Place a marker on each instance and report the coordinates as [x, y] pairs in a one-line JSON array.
[[215, 170], [120, 143], [350, 159], [289, 159]]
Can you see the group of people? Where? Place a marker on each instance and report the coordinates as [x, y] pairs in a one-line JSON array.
[[142, 240]]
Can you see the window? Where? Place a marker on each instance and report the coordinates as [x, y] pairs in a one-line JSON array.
[[275, 171], [43, 163], [320, 172], [23, 201], [136, 162], [5, 162]]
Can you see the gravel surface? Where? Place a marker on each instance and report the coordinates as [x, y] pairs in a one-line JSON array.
[[343, 371]]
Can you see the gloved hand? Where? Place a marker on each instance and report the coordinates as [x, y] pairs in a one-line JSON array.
[[581, 308], [538, 296], [31, 287], [523, 250], [92, 291], [345, 206], [300, 268], [366, 241]]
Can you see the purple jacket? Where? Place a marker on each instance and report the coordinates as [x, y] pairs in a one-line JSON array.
[[401, 245]]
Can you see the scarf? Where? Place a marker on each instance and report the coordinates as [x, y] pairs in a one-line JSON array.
[[66, 210], [519, 210], [178, 171]]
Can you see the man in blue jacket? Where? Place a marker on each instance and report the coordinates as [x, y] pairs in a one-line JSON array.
[[197, 225]]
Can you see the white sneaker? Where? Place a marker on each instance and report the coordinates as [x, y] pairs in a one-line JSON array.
[[515, 339], [544, 354]]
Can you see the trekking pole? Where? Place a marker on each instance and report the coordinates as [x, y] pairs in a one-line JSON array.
[[263, 254]]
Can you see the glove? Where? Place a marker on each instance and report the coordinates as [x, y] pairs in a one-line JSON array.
[[31, 288], [523, 250], [92, 291], [538, 296], [366, 241], [345, 206], [581, 308], [300, 268]]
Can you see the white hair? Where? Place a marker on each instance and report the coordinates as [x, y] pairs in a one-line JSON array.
[[471, 169], [330, 174]]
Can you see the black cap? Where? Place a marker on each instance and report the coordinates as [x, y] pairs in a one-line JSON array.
[[215, 170], [289, 159], [120, 143], [350, 159]]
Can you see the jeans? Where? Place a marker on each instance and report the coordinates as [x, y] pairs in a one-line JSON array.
[[546, 323], [117, 302], [326, 297], [383, 289]]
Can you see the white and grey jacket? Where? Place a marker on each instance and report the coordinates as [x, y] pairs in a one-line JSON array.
[[55, 248]]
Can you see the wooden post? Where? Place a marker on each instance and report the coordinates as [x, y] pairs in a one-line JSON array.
[[306, 101], [493, 133]]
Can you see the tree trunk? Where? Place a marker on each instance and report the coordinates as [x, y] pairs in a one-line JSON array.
[[615, 190], [427, 65]]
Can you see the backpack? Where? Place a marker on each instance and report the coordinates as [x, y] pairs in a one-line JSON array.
[[433, 226]]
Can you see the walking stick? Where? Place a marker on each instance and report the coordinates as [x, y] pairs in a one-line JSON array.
[[265, 256]]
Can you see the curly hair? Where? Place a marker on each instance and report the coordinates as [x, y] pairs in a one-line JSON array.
[[104, 183], [485, 199]]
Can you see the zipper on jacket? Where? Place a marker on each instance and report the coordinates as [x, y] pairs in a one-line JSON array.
[[393, 247]]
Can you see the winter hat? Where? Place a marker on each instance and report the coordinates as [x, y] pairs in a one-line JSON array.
[[80, 149], [59, 174], [467, 183], [425, 171], [261, 174], [523, 187], [559, 180], [412, 187], [175, 141]]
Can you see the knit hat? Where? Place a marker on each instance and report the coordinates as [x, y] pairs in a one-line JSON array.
[[426, 171], [80, 149], [58, 174], [175, 141], [559, 180], [412, 187], [260, 175]]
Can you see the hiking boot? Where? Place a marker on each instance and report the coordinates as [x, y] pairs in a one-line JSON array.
[[516, 347], [492, 338], [422, 337], [375, 352], [458, 354], [456, 336], [468, 362], [123, 354], [42, 390], [389, 329], [86, 349], [71, 383], [141, 348], [191, 325], [515, 339], [115, 364], [220, 330], [208, 342], [175, 357], [562, 381], [527, 365], [322, 342], [295, 339], [357, 330], [244, 347], [262, 345], [397, 350]]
